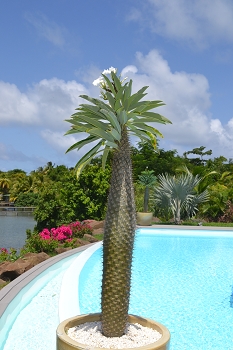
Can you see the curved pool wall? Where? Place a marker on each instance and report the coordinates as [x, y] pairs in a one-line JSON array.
[[17, 294]]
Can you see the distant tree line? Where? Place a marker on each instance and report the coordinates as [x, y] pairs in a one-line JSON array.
[[60, 198]]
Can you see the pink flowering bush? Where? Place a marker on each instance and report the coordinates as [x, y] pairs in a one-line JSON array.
[[60, 234], [63, 236], [79, 229]]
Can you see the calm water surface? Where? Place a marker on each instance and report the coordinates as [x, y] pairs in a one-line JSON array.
[[13, 230]]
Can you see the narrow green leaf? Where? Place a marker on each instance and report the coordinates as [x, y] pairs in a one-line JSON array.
[[116, 80], [157, 117], [97, 102], [141, 134], [105, 156], [149, 128], [93, 122], [106, 136], [117, 105], [109, 84], [115, 134], [122, 116], [120, 92], [112, 144], [112, 118], [134, 99], [144, 106], [111, 99], [86, 159], [82, 143]]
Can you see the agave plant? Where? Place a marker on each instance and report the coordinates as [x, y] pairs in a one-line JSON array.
[[108, 123], [180, 194]]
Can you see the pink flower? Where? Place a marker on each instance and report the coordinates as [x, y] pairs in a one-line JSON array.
[[4, 250]]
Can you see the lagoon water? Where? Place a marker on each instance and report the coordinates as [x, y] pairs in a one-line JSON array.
[[13, 230]]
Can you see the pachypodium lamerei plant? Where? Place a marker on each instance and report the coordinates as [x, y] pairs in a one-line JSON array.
[[108, 122], [147, 179]]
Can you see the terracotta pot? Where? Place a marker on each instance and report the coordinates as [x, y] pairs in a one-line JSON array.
[[64, 342], [144, 219]]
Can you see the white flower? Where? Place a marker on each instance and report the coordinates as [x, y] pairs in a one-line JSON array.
[[98, 81], [109, 70]]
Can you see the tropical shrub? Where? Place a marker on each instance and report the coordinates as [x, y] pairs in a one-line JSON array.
[[69, 200]]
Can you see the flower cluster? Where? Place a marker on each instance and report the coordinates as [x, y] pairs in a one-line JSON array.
[[61, 233], [80, 228], [100, 80], [66, 233], [3, 250]]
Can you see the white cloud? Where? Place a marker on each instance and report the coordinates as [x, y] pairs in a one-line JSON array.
[[201, 22], [187, 99], [47, 28], [57, 140], [56, 100], [128, 69], [46, 104], [16, 106]]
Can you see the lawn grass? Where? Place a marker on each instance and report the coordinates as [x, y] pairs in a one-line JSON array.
[[218, 224], [197, 223]]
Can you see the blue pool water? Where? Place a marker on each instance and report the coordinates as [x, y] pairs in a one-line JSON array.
[[181, 278], [182, 281]]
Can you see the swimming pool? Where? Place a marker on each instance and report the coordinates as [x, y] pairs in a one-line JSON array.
[[184, 281]]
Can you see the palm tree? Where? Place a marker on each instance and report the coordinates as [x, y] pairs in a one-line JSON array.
[[180, 194], [5, 185], [108, 123]]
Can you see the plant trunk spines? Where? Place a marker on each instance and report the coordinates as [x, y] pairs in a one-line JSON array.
[[119, 232]]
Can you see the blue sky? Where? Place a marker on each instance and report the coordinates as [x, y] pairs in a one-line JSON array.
[[51, 51]]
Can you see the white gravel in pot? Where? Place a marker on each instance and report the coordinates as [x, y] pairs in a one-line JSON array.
[[89, 333]]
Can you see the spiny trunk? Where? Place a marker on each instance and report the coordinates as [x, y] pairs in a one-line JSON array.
[[119, 231]]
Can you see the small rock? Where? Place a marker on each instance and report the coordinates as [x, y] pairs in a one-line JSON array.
[[90, 238]]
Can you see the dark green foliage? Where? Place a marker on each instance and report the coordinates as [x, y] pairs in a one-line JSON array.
[[159, 160], [67, 200], [199, 151], [228, 213], [28, 199]]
